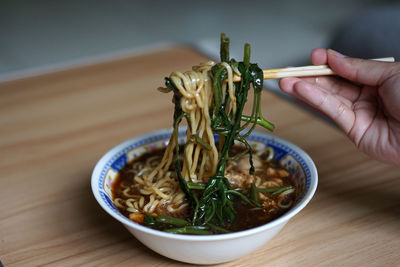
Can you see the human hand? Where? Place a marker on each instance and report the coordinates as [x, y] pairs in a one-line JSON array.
[[364, 100]]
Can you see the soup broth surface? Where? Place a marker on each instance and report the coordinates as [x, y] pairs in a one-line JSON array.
[[269, 176]]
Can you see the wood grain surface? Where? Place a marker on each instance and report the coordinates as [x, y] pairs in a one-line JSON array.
[[55, 127]]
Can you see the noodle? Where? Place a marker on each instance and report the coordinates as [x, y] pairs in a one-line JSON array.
[[282, 197], [200, 163]]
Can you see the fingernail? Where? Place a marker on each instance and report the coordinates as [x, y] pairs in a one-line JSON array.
[[335, 53]]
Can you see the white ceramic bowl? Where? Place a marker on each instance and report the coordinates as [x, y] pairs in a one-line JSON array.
[[210, 249]]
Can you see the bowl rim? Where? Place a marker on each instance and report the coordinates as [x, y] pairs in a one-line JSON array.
[[283, 219]]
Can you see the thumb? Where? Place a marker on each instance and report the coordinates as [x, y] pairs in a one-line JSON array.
[[367, 72]]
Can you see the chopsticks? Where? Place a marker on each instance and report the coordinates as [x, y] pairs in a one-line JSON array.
[[316, 70]]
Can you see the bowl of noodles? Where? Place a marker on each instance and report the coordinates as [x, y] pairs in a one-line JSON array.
[[216, 247], [210, 189]]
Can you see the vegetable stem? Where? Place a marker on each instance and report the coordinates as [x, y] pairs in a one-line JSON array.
[[218, 228], [254, 193], [259, 121], [165, 219], [196, 186], [191, 230], [274, 190], [224, 49]]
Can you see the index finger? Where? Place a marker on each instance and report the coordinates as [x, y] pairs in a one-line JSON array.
[[319, 56]]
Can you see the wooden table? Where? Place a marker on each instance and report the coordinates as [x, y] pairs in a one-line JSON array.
[[55, 127]]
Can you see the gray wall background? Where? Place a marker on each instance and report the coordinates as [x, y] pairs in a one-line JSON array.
[[42, 35]]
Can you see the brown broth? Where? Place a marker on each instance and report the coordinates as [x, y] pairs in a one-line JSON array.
[[247, 216]]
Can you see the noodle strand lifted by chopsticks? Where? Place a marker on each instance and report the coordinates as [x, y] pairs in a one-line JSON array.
[[200, 162]]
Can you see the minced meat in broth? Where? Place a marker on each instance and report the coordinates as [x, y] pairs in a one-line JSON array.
[[268, 174]]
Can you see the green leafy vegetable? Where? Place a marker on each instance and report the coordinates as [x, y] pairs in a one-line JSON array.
[[214, 206]]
